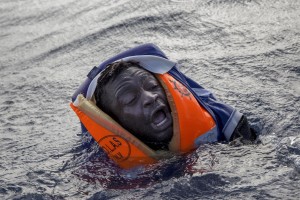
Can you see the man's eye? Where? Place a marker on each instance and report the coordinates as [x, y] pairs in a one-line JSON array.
[[128, 99], [152, 86]]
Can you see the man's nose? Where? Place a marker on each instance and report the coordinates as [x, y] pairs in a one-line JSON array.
[[149, 98]]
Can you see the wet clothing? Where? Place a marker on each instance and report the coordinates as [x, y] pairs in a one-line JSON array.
[[230, 123], [243, 131]]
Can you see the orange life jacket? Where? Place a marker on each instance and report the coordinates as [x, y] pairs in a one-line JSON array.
[[190, 121]]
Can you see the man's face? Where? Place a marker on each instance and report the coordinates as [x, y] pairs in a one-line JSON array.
[[138, 101]]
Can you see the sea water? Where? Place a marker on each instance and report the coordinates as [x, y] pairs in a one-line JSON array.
[[245, 51]]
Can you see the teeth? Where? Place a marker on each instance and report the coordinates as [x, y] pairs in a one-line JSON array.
[[159, 117], [161, 122]]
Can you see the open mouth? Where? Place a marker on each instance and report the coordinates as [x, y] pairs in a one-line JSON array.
[[161, 122], [159, 117]]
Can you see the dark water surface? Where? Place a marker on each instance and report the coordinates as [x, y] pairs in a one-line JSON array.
[[246, 51]]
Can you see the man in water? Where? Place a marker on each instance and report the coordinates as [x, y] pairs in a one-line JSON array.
[[137, 101]]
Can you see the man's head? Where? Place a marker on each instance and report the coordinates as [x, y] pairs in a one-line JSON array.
[[135, 98]]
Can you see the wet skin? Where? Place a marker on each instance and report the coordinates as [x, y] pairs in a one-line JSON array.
[[139, 103]]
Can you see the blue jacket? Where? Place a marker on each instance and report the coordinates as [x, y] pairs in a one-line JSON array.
[[225, 116]]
